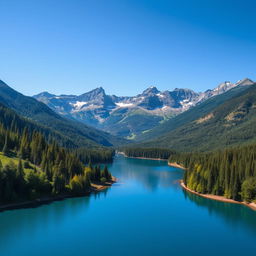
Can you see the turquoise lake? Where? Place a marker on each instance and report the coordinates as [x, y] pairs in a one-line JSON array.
[[145, 213]]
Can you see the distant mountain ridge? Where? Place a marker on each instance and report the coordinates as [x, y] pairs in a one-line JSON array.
[[130, 116], [75, 133], [227, 120]]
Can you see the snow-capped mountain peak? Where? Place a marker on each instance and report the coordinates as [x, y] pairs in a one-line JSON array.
[[104, 111]]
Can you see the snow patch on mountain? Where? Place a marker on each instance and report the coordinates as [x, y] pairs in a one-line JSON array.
[[79, 104], [104, 111], [124, 105], [160, 95]]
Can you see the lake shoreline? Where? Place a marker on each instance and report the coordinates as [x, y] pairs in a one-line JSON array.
[[208, 196], [172, 164], [143, 158], [95, 188], [218, 198], [176, 165]]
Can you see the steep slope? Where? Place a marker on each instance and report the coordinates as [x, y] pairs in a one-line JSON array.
[[78, 133], [9, 118], [224, 87], [193, 113], [225, 120], [129, 122], [119, 115], [130, 116], [13, 125]]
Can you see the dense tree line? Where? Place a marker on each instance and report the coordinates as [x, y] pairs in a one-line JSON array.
[[228, 120], [44, 168], [20, 184], [230, 173], [95, 155], [161, 153], [15, 125]]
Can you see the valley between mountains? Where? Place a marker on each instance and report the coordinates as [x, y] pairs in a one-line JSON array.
[[131, 117], [61, 140]]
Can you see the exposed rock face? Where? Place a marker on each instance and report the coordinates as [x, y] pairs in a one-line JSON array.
[[113, 113]]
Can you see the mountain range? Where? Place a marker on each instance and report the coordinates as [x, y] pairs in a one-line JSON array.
[[131, 117], [226, 120], [70, 133], [218, 118]]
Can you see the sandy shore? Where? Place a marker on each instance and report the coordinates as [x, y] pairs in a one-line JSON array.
[[174, 164], [99, 186], [218, 198], [138, 157], [147, 158], [45, 200]]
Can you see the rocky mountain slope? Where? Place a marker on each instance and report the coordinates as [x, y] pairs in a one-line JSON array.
[[223, 121], [130, 116]]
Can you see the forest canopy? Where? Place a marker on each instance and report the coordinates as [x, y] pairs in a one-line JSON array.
[[33, 164], [230, 173]]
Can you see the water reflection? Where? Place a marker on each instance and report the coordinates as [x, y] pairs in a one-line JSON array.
[[146, 214], [234, 215], [26, 222], [149, 173]]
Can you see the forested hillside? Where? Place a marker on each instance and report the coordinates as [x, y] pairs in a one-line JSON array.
[[192, 114], [214, 124], [77, 133], [14, 123], [230, 173], [219, 137], [132, 117], [32, 167]]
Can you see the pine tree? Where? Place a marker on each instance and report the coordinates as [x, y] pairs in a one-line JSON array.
[[97, 173], [20, 170], [20, 182], [6, 145], [106, 173], [24, 151]]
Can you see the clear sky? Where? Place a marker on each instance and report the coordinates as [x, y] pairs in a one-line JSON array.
[[73, 46]]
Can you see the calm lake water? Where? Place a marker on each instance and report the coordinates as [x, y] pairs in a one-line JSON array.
[[146, 213]]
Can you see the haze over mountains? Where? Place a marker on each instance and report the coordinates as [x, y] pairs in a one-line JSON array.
[[130, 116]]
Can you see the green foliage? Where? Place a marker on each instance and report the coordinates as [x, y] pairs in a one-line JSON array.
[[223, 121], [27, 165], [160, 153], [27, 138], [96, 175], [230, 173], [43, 168], [249, 189], [6, 145], [79, 184], [95, 156], [67, 132], [106, 174], [37, 184], [103, 179], [58, 184], [130, 123]]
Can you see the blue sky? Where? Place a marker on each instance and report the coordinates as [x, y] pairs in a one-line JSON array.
[[73, 46]]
